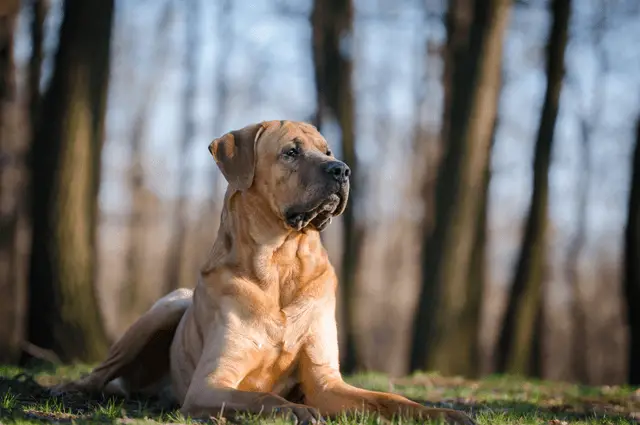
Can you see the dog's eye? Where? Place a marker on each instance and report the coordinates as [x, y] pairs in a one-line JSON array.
[[329, 153], [293, 152]]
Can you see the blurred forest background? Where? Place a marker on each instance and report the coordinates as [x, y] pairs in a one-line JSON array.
[[494, 220]]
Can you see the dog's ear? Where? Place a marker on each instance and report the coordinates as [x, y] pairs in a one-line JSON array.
[[235, 155]]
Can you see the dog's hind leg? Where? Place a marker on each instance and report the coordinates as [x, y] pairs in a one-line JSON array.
[[140, 358]]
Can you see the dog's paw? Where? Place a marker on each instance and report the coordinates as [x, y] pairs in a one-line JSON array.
[[450, 416], [299, 413], [62, 389], [455, 417], [86, 384]]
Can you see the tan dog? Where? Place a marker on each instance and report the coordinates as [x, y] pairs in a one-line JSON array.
[[258, 333]]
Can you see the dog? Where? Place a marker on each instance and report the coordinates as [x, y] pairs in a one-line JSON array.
[[258, 333]]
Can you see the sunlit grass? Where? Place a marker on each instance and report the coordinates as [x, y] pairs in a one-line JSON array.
[[495, 400]]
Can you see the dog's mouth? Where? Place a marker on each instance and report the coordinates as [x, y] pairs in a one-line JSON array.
[[319, 216]]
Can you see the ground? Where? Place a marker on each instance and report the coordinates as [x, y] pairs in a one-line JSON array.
[[492, 401]]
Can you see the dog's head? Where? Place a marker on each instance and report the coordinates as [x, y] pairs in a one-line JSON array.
[[290, 165]]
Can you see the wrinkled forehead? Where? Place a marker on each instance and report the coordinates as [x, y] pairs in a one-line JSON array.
[[278, 134]]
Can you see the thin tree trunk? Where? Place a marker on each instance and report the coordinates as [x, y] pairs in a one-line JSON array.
[[175, 261], [39, 10], [12, 138], [445, 323], [579, 346], [478, 269], [426, 147], [459, 22], [517, 336], [64, 310], [225, 48], [332, 25], [588, 123], [478, 273], [132, 301], [632, 266], [131, 290]]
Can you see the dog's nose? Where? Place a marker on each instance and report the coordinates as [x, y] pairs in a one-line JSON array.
[[338, 170]]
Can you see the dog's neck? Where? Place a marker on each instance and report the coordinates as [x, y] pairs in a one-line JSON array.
[[255, 242]]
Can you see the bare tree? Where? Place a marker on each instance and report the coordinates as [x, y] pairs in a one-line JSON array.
[[589, 119], [12, 143], [426, 145], [132, 298], [632, 266], [64, 311], [332, 29], [179, 227], [39, 10], [518, 345], [447, 317], [225, 47]]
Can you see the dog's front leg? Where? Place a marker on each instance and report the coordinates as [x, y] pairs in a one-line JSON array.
[[213, 389], [336, 397], [214, 401], [325, 389]]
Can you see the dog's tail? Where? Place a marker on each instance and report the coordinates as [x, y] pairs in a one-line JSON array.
[[140, 358]]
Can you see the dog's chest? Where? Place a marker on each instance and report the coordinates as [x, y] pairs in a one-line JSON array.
[[277, 356], [277, 365]]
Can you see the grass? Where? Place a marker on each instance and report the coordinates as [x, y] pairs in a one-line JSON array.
[[24, 399]]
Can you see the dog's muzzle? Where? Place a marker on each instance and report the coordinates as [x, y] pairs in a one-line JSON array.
[[319, 215], [322, 213]]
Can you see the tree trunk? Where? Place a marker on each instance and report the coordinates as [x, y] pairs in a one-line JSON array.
[[223, 29], [458, 20], [64, 310], [332, 26], [579, 345], [632, 266], [175, 261], [445, 325], [588, 124], [478, 273], [428, 150], [12, 143], [39, 10], [131, 296], [132, 299], [517, 336], [224, 18]]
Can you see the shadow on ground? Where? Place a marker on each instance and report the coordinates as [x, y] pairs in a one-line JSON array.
[[22, 399]]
